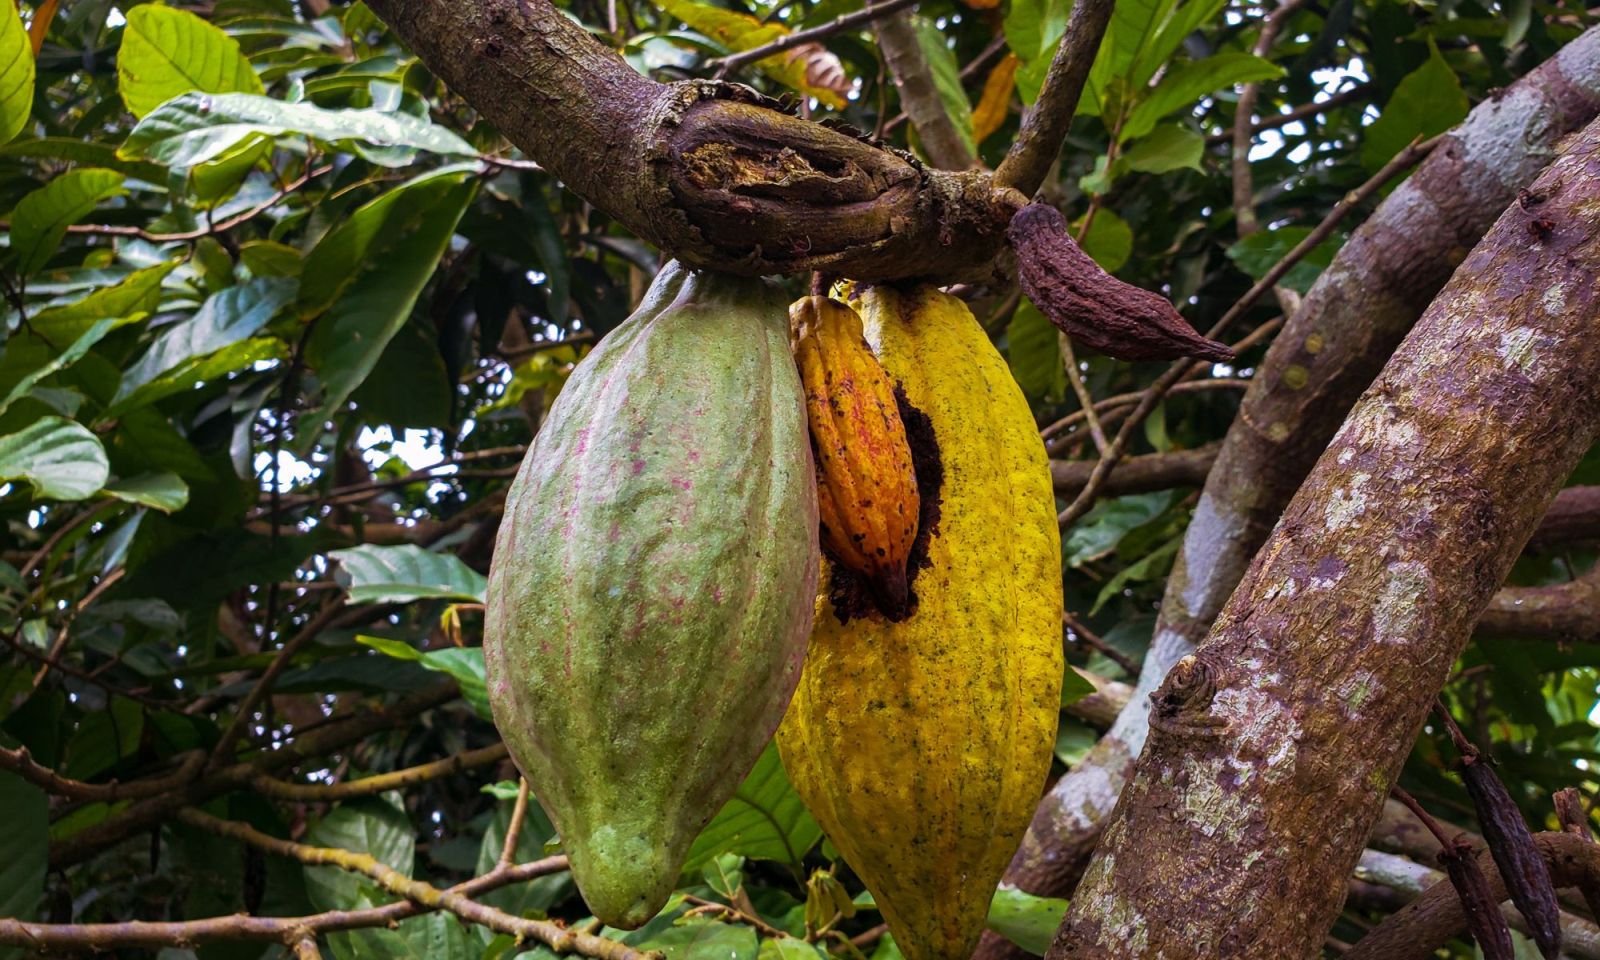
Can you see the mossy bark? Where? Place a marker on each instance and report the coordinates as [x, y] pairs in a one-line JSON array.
[[1273, 747]]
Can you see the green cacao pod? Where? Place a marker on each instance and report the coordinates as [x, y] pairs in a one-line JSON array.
[[651, 591]]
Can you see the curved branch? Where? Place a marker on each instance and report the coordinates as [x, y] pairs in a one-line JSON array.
[[711, 173], [919, 97]]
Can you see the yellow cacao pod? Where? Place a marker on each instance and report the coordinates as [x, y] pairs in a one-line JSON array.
[[922, 746], [866, 489]]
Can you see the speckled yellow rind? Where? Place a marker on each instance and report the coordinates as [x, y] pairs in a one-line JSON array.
[[922, 746]]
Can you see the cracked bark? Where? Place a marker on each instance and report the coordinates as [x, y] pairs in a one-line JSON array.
[[711, 173], [1350, 321], [1321, 668]]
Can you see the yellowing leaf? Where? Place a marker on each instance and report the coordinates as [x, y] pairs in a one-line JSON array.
[[995, 103], [166, 52], [41, 24], [808, 68]]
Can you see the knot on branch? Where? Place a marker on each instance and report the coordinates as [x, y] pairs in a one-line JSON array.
[[1181, 705]]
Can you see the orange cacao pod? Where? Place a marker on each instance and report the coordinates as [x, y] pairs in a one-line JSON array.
[[866, 488]]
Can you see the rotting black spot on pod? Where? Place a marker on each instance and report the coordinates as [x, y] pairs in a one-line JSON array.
[[1093, 307], [1526, 875]]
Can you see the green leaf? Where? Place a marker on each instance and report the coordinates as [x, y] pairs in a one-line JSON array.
[[1109, 240], [205, 369], [41, 217], [1034, 354], [790, 948], [24, 845], [1153, 564], [1185, 85], [400, 574], [65, 359], [1171, 146], [1073, 686], [1028, 921], [268, 258], [1097, 534], [378, 827], [465, 664], [946, 78], [196, 128], [104, 738], [226, 318], [16, 76], [60, 458], [212, 182], [1260, 252], [740, 31], [138, 293], [164, 491], [764, 820], [701, 938], [1033, 28], [368, 273], [167, 52], [87, 152], [1429, 100]]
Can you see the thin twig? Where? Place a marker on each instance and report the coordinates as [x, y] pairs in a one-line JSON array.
[[989, 55], [703, 905], [1129, 399], [1244, 210], [1436, 828], [1085, 402], [866, 15], [919, 95], [1302, 112], [241, 718], [519, 814], [1092, 639], [553, 935], [1156, 391], [378, 783], [1045, 125]]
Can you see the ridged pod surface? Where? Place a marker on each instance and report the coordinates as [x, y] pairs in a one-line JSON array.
[[922, 746], [866, 489], [650, 595]]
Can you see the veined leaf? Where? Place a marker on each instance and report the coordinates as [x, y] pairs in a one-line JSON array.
[[16, 73], [1034, 354], [197, 127], [226, 318], [1171, 146], [42, 216], [138, 292], [764, 820], [1028, 921], [65, 359], [465, 664], [60, 458], [366, 275], [1185, 85], [1429, 100], [946, 78], [84, 152], [203, 369], [164, 491], [404, 573], [740, 31], [167, 52]]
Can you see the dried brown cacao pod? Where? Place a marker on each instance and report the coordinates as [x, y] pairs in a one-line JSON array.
[[1091, 306], [1484, 920], [1526, 875], [867, 498]]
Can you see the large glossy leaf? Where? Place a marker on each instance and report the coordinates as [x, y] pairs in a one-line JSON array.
[[541, 893], [167, 52], [700, 938], [465, 664], [86, 152], [204, 369], [404, 573], [764, 820], [225, 318], [24, 846], [60, 362], [16, 73], [1185, 85], [1034, 353], [380, 828], [164, 491], [60, 458], [196, 128], [1428, 101], [946, 78], [368, 272], [137, 293], [41, 217]]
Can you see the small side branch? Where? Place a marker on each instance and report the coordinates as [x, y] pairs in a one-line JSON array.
[[1045, 126], [902, 52]]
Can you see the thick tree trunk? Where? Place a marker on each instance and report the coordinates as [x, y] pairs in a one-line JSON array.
[[710, 173], [1272, 749], [1351, 320]]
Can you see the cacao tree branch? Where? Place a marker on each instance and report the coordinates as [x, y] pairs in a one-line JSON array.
[[1354, 315], [1289, 698], [71, 937], [1244, 203], [1045, 125], [919, 96], [558, 938], [1435, 917], [378, 783], [791, 40], [710, 173]]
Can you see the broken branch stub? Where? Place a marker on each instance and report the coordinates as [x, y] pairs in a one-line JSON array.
[[1093, 307]]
